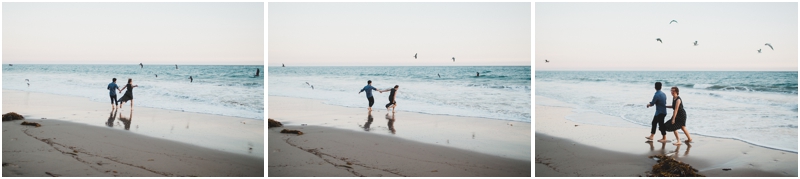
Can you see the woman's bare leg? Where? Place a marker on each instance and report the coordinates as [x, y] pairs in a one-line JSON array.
[[689, 138], [677, 138]]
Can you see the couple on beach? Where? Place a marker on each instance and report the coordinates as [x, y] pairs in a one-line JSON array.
[[678, 120], [392, 103], [127, 96]]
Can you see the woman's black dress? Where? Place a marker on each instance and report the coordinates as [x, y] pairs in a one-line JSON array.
[[128, 94], [680, 120]]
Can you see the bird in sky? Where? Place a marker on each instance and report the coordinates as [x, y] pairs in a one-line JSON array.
[[546, 61], [415, 55], [670, 22], [454, 59], [759, 50], [659, 40], [695, 43], [141, 66], [770, 46]]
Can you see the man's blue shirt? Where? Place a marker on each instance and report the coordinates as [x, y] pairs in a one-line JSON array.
[[369, 89], [660, 100], [111, 87]]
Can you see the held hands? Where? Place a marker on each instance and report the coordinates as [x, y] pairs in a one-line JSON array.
[[673, 121]]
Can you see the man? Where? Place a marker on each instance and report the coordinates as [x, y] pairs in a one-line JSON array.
[[660, 101], [111, 87], [369, 90]]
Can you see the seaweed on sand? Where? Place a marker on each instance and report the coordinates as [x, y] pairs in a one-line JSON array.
[[274, 123], [669, 167], [12, 116], [31, 124], [292, 131]]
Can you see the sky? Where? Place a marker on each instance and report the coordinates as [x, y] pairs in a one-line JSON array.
[[125, 33], [622, 36], [390, 34]]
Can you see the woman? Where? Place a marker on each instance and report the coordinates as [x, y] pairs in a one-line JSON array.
[[128, 94], [678, 120], [392, 103]]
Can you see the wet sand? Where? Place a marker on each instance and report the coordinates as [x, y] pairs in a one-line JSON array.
[[566, 148], [79, 137], [381, 143]]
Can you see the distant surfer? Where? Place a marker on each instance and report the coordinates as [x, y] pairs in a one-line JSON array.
[[141, 66], [258, 71], [190, 79]]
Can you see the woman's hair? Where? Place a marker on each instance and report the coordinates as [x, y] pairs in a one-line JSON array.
[[396, 86], [676, 90], [129, 80]]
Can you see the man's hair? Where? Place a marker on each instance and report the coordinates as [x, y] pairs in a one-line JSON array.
[[114, 79], [129, 80], [369, 81], [658, 85]]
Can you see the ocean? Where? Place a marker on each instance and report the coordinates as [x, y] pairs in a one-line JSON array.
[[755, 107], [500, 92], [227, 90]]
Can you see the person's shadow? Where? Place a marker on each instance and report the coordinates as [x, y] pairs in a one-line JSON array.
[[127, 121], [369, 121], [111, 116], [391, 122]]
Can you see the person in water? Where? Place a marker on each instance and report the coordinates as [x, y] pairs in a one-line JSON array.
[[258, 71], [392, 103], [369, 90], [660, 101], [190, 79], [128, 96], [111, 87]]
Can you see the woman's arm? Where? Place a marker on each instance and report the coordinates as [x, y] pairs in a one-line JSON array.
[[675, 112]]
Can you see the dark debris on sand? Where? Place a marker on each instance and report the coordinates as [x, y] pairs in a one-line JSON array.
[[31, 124], [12, 116], [669, 167], [274, 123], [292, 131]]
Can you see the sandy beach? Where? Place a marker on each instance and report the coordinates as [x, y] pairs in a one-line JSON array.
[[566, 148], [79, 137], [384, 144]]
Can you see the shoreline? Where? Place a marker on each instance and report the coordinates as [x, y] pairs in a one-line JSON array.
[[333, 152], [708, 154], [224, 133], [508, 139]]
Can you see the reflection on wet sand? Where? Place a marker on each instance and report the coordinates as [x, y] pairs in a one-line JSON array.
[[676, 152], [111, 116], [391, 122], [127, 121], [369, 121]]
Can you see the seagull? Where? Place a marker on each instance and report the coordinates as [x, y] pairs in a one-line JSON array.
[[307, 83], [770, 46], [659, 40], [156, 75], [546, 61], [440, 76], [190, 79], [176, 66], [415, 55], [283, 65], [759, 50], [695, 43], [670, 22], [141, 66], [312, 87], [27, 80], [454, 59]]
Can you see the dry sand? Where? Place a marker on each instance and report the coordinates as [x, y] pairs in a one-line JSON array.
[[566, 148], [331, 152]]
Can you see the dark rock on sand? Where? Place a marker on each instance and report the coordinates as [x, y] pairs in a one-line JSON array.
[[669, 167], [31, 124], [274, 123], [292, 131], [12, 116]]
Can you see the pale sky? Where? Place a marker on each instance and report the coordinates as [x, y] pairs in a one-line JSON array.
[[622, 36], [381, 34], [125, 33]]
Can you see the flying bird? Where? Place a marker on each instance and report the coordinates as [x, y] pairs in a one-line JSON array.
[[156, 75], [759, 50], [176, 66], [695, 43], [283, 65], [546, 61], [141, 66], [415, 55], [308, 84], [659, 40], [27, 80], [670, 22], [190, 79], [454, 59], [770, 46]]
